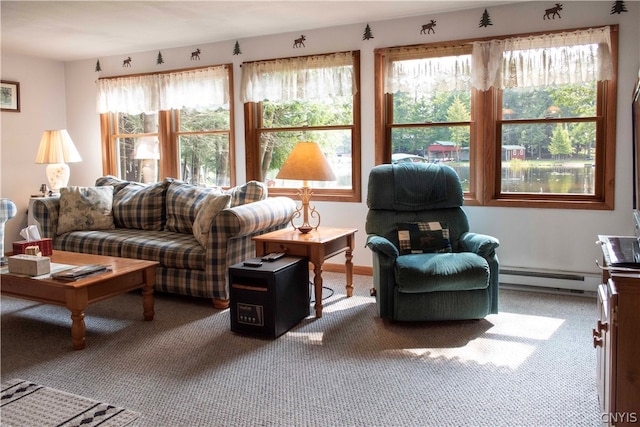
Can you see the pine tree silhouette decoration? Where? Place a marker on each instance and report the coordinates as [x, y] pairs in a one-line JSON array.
[[98, 67], [236, 49], [159, 60], [618, 7], [367, 33], [486, 19]]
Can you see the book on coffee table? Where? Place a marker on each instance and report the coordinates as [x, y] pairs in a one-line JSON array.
[[80, 272]]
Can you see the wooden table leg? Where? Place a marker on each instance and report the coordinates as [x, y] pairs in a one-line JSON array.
[[77, 301], [149, 276], [348, 265], [78, 329], [317, 286]]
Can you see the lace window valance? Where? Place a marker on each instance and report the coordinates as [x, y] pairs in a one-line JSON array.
[[313, 77], [569, 57], [423, 69], [203, 87]]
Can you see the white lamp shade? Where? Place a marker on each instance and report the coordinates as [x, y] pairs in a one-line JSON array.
[[56, 146], [56, 150]]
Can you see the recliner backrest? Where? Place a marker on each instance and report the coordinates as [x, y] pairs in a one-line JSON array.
[[414, 192]]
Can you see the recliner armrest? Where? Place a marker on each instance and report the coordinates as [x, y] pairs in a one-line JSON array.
[[382, 246], [481, 244]]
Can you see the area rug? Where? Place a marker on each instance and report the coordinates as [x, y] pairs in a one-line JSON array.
[[28, 404]]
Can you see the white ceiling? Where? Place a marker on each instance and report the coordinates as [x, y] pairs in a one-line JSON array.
[[75, 30]]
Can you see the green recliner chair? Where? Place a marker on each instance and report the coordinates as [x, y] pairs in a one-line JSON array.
[[427, 266]]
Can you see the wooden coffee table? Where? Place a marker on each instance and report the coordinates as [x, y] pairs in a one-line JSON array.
[[126, 275]]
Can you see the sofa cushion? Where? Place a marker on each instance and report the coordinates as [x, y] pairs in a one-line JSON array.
[[99, 242], [141, 206], [463, 271], [85, 208], [423, 237], [170, 249], [207, 210], [183, 200]]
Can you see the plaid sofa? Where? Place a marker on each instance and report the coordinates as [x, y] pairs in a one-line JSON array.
[[143, 230]]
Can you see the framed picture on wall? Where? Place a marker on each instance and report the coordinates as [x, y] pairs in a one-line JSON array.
[[9, 96]]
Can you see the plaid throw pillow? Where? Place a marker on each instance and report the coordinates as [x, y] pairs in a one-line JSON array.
[[183, 201], [250, 192], [117, 183], [141, 206], [423, 237]]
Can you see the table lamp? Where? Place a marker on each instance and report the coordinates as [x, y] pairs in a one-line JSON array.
[[306, 163], [56, 150], [148, 152]]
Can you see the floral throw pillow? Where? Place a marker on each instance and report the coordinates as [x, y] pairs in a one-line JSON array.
[[85, 208], [423, 237]]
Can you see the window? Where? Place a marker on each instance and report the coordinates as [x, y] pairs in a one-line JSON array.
[[312, 98], [175, 124], [524, 120]]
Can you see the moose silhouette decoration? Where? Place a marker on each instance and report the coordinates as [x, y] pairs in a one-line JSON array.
[[127, 62], [299, 42], [428, 28], [196, 54], [552, 12]]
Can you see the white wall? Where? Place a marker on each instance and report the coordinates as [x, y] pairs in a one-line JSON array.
[[42, 107], [549, 239]]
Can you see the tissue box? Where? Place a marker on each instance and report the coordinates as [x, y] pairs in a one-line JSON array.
[[45, 246], [30, 265]]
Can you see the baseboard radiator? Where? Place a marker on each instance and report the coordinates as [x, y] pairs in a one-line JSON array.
[[549, 281]]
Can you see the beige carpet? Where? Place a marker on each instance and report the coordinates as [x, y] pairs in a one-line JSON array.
[[531, 365]]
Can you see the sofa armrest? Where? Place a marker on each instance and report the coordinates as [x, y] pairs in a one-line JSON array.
[[46, 212], [231, 236], [253, 217]]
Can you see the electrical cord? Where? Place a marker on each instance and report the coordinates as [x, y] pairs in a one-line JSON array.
[[311, 300]]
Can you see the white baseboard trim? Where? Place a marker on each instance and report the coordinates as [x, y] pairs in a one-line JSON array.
[[561, 281]]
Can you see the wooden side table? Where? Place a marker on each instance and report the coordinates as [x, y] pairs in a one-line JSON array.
[[318, 245]]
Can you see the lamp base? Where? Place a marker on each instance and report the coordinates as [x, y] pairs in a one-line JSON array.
[[58, 176], [305, 211]]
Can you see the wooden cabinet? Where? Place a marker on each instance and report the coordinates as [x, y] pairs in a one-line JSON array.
[[616, 338]]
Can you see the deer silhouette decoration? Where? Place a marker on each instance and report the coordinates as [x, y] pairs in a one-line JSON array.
[[196, 54], [552, 12], [300, 41], [127, 62], [428, 28]]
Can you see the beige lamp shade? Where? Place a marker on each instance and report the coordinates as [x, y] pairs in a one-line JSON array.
[[307, 163], [56, 146], [56, 150]]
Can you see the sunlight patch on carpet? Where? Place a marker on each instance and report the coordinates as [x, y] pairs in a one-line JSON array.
[[508, 343], [313, 338], [524, 326]]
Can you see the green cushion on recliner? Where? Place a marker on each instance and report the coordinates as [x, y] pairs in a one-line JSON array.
[[417, 273]]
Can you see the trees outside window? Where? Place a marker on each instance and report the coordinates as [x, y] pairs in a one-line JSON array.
[[176, 124], [314, 98], [525, 120]]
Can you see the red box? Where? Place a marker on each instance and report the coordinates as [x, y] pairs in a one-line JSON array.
[[45, 246]]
